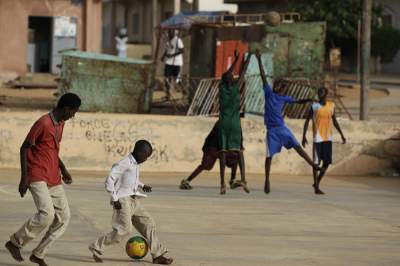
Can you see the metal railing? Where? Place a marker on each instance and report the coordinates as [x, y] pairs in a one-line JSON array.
[[206, 103]]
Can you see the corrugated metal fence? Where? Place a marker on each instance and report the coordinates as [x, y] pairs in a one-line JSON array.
[[205, 101]]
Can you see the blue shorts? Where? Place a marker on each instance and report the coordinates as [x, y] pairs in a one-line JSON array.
[[278, 137]]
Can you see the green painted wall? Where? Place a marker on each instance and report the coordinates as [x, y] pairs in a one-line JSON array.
[[107, 83], [298, 49]]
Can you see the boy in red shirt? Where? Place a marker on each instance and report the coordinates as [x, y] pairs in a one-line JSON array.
[[40, 173]]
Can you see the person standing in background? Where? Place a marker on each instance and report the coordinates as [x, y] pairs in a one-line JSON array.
[[173, 59]]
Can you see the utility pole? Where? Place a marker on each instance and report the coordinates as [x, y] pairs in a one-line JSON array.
[[154, 25], [177, 6], [365, 58]]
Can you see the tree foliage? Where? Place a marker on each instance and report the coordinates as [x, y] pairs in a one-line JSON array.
[[342, 25], [385, 43]]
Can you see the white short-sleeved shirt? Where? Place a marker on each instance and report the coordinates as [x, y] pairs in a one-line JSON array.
[[172, 47]]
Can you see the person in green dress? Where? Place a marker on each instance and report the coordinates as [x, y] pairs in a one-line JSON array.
[[229, 131]]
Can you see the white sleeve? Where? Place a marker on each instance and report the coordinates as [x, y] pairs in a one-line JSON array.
[[180, 44], [116, 173]]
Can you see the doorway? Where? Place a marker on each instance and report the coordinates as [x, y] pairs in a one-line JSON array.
[[39, 44]]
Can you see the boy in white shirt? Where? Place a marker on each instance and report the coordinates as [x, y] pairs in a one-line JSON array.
[[123, 185]]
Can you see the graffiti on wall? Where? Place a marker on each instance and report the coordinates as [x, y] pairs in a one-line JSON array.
[[118, 137]]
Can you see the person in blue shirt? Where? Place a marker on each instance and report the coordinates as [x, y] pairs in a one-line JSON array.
[[278, 134]]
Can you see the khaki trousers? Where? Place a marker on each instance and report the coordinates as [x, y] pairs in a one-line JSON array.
[[53, 211], [131, 213]]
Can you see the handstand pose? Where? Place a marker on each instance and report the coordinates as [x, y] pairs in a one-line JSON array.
[[210, 156]]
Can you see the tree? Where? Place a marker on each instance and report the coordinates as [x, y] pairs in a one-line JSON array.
[[385, 42], [342, 20]]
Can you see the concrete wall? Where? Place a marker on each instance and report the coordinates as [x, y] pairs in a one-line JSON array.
[[14, 27], [96, 141]]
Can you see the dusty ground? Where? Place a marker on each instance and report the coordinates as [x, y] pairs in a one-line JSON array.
[[356, 223]]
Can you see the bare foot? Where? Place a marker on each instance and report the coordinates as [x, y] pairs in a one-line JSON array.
[[317, 190], [245, 187], [97, 258], [15, 251], [223, 189], [37, 260], [163, 260], [267, 187], [96, 254]]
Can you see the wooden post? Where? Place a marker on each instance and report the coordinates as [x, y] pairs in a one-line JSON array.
[[366, 55], [359, 52], [114, 29], [177, 6], [154, 25]]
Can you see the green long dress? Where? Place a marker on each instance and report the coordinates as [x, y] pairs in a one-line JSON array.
[[229, 133]]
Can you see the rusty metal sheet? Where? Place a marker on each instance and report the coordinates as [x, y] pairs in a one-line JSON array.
[[107, 83]]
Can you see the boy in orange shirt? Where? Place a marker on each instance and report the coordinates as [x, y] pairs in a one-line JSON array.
[[323, 116]]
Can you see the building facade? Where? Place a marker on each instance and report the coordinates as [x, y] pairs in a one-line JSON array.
[[137, 17], [33, 32]]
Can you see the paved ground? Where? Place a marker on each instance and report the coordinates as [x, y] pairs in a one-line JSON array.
[[356, 223]]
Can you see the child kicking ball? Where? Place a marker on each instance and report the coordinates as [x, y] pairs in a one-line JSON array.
[[123, 185]]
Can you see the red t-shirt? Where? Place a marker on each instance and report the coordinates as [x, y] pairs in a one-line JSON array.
[[45, 136]]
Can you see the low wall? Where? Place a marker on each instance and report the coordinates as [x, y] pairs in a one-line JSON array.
[[94, 141]]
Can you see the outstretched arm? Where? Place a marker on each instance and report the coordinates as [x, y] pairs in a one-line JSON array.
[[337, 126], [235, 61], [244, 67], [304, 101], [309, 116], [260, 65]]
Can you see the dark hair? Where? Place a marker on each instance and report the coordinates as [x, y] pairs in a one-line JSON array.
[[143, 145], [322, 89], [69, 100]]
